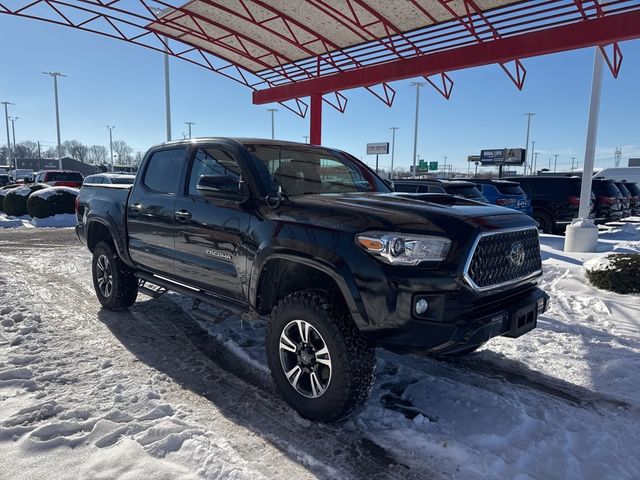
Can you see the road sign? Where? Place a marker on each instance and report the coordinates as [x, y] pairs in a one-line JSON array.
[[473, 158], [503, 156], [433, 166], [378, 148]]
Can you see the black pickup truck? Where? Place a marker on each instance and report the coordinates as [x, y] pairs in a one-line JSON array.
[[316, 239]]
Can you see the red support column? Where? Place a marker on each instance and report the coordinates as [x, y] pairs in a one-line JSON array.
[[316, 119]]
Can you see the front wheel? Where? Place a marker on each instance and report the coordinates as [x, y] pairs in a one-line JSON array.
[[116, 286], [544, 221], [320, 362]]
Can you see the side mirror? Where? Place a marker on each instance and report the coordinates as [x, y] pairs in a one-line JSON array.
[[221, 186], [389, 184]]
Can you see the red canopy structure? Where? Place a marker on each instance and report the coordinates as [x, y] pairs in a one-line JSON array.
[[286, 50]]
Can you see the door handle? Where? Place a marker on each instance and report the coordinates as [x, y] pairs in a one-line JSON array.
[[182, 215], [136, 208]]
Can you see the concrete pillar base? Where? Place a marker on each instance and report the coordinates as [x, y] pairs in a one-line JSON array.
[[581, 236]]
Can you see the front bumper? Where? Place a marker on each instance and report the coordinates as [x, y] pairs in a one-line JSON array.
[[463, 326]]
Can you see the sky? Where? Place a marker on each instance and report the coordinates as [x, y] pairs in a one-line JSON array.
[[110, 82]]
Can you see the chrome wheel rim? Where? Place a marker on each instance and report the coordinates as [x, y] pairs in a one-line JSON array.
[[305, 359], [104, 276]]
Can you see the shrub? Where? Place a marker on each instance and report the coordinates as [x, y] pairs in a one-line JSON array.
[[618, 273], [15, 200], [52, 201]]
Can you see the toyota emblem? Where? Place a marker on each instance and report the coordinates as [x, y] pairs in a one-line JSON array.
[[516, 255]]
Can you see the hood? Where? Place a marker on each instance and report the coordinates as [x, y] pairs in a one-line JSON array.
[[409, 213]]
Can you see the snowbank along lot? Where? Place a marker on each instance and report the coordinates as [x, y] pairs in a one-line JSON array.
[[150, 393]]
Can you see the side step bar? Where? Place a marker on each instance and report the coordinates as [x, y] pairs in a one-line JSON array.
[[216, 302]]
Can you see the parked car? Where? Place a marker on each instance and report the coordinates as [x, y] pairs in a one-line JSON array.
[[608, 206], [630, 174], [5, 179], [24, 174], [504, 193], [626, 199], [313, 237], [555, 200], [60, 178], [457, 188], [109, 178], [634, 190]]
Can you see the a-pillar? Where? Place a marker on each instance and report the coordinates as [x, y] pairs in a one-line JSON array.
[[316, 119]]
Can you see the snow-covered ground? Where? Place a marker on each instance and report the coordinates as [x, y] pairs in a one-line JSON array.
[[56, 221], [86, 393]]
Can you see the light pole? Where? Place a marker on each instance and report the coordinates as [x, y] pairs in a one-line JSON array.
[[111, 127], [273, 126], [6, 119], [555, 164], [535, 162], [306, 138], [445, 165], [393, 147], [533, 150], [529, 115], [572, 161], [415, 129], [188, 124], [13, 130], [55, 76]]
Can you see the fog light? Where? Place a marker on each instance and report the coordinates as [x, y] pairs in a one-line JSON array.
[[422, 306]]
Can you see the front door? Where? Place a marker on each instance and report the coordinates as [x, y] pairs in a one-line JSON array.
[[151, 210], [210, 231]]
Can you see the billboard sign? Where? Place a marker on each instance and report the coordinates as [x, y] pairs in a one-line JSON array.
[[378, 148], [634, 162], [503, 156]]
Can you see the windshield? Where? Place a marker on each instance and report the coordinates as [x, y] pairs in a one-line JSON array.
[[607, 189], [64, 177], [633, 189], [623, 190], [303, 171], [507, 189]]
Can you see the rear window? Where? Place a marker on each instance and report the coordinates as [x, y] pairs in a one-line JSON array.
[[633, 189], [122, 180], [163, 170], [623, 190], [405, 187], [509, 189], [606, 189], [64, 177], [464, 191]]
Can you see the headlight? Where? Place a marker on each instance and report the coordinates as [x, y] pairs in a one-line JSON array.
[[404, 249]]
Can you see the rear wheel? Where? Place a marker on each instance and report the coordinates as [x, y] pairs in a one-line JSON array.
[[115, 284], [544, 221], [320, 362]]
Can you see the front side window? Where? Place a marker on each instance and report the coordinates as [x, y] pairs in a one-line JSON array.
[[302, 171], [163, 170], [212, 162]]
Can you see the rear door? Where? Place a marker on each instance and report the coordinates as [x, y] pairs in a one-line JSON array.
[[151, 209], [210, 231]]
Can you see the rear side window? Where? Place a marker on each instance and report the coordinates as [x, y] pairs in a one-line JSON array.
[[163, 170]]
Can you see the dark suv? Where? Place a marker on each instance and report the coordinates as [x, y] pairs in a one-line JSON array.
[[555, 200], [608, 200], [457, 188], [634, 190], [626, 199]]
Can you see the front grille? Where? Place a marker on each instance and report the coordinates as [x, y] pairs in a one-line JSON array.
[[504, 257]]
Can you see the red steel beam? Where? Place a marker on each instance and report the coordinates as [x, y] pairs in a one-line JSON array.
[[586, 33]]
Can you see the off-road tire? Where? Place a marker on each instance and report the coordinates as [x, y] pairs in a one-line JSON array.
[[125, 285], [352, 356]]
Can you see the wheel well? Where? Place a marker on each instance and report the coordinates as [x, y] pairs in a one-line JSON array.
[[98, 232], [280, 277]]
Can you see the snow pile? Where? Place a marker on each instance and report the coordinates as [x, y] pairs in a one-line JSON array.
[[56, 221]]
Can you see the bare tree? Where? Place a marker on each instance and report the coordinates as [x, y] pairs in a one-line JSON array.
[[26, 149], [124, 152], [97, 154], [137, 159], [50, 152], [76, 150], [4, 154]]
